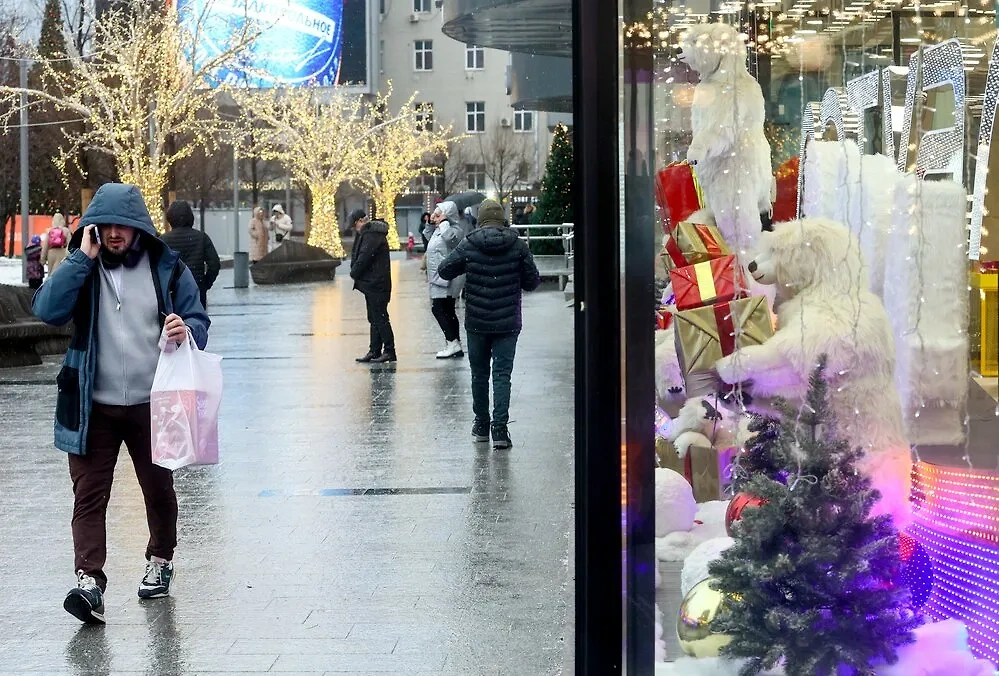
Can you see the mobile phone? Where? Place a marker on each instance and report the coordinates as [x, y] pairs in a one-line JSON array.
[[95, 236]]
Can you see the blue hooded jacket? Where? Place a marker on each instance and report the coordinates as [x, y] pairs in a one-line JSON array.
[[71, 294]]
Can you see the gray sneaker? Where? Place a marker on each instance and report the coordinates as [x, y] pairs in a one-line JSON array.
[[156, 583], [85, 602]]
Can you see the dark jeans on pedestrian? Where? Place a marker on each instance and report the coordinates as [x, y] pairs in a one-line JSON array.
[[93, 474], [204, 298], [443, 309], [382, 338], [493, 351]]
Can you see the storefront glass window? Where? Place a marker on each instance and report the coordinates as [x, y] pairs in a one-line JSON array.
[[801, 183]]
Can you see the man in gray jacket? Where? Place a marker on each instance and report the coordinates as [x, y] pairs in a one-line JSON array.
[[123, 290]]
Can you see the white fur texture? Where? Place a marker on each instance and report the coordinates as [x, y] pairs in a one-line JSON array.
[[824, 307], [695, 566], [842, 185], [729, 149], [675, 504], [831, 176], [692, 427], [678, 546], [879, 176], [926, 295], [669, 378]]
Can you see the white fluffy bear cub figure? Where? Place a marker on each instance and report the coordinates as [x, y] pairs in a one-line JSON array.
[[729, 150], [824, 307]]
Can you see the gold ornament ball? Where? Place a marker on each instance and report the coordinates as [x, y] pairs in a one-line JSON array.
[[700, 607]]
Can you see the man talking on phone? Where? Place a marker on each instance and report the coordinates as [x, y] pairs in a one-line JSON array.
[[122, 289]]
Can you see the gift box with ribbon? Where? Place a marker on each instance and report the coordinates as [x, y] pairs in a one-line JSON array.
[[664, 319], [692, 243], [678, 194], [713, 281], [706, 469], [706, 334]]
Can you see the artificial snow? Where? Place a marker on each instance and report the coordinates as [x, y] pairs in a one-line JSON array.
[[675, 504], [660, 643], [941, 649], [695, 566], [709, 523]]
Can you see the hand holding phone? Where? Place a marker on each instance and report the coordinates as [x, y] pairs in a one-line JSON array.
[[91, 244]]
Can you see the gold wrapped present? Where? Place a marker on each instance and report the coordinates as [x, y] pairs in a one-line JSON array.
[[706, 334], [692, 243], [705, 469]]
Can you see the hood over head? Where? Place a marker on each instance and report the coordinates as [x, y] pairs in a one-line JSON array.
[[278, 209], [449, 210], [116, 204], [377, 226], [58, 220], [493, 240]]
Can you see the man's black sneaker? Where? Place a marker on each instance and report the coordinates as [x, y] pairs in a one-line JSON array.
[[156, 583], [480, 432], [384, 358], [501, 437], [85, 602], [370, 356]]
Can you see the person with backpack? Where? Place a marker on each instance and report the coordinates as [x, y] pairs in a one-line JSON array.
[[33, 255], [498, 267], [121, 289], [195, 247], [54, 245]]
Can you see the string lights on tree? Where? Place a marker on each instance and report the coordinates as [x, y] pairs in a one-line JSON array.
[[321, 135], [147, 99], [397, 152]]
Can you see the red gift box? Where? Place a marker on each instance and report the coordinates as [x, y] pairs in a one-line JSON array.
[[678, 194], [786, 206], [664, 319], [715, 281]]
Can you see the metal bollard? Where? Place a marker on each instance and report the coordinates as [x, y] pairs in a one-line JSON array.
[[241, 270]]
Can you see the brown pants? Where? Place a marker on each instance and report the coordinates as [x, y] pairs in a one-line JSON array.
[[93, 474]]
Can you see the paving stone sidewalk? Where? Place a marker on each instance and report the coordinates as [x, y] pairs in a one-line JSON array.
[[352, 526]]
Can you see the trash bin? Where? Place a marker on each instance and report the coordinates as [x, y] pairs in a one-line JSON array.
[[241, 269]]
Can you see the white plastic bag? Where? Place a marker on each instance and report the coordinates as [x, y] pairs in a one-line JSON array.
[[184, 405]]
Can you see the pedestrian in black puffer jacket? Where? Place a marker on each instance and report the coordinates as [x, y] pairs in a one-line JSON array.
[[370, 269], [195, 247], [498, 268]]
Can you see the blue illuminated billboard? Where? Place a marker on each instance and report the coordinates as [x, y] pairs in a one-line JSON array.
[[301, 41]]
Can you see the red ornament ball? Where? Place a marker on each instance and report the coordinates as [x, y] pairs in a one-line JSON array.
[[735, 507]]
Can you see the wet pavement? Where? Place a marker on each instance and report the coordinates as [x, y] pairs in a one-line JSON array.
[[352, 525]]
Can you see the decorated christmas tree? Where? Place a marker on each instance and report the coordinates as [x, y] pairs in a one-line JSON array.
[[555, 202], [812, 579], [52, 42], [757, 457]]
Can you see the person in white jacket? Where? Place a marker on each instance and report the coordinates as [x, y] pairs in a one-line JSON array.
[[280, 223], [444, 294]]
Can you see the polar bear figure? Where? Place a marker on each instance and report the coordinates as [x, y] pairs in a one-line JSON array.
[[824, 307], [729, 151]]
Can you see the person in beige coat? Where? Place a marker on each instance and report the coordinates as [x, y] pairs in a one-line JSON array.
[[259, 235], [54, 254]]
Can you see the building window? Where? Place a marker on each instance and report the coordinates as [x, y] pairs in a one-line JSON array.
[[475, 176], [421, 6], [424, 55], [523, 171], [475, 118], [475, 58], [424, 117], [523, 120]]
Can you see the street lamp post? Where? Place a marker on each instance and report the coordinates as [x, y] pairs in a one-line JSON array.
[[24, 171], [240, 259]]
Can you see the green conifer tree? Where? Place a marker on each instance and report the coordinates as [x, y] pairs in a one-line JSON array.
[[805, 581], [555, 202], [52, 42]]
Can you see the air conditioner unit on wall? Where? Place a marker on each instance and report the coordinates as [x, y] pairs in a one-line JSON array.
[[505, 122], [414, 18]]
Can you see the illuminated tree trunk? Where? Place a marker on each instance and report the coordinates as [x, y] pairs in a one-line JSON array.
[[151, 184], [324, 232], [385, 207]]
